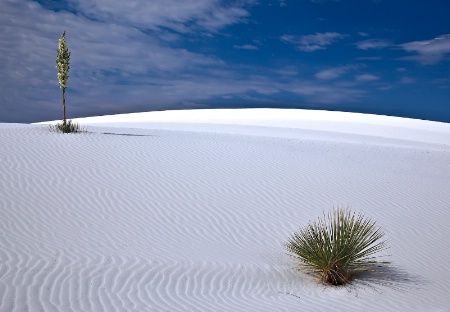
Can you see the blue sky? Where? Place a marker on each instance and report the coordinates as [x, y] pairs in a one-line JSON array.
[[389, 57]]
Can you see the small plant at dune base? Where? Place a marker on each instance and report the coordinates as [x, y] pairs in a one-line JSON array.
[[68, 127], [337, 246]]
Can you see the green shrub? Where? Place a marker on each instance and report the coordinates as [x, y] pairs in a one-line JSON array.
[[335, 249], [67, 127]]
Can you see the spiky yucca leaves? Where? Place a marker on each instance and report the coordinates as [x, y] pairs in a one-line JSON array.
[[68, 127], [335, 248]]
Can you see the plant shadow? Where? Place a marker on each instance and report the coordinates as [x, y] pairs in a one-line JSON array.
[[387, 275]]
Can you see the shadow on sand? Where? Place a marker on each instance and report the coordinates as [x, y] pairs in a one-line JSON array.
[[387, 275]]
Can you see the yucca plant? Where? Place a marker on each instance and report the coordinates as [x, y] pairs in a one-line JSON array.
[[67, 127], [337, 245], [63, 66]]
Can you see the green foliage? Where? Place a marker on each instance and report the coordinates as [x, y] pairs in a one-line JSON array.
[[336, 246], [62, 64], [67, 127], [62, 61]]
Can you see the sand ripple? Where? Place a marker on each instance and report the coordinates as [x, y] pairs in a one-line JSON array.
[[184, 221]]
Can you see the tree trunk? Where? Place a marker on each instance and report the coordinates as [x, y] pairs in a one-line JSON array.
[[64, 105]]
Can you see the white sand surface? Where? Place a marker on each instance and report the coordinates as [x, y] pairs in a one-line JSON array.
[[189, 210]]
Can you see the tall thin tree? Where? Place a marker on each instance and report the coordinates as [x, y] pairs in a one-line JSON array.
[[62, 64]]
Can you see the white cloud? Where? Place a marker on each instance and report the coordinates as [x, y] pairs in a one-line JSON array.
[[109, 62], [181, 16], [335, 72], [246, 47], [366, 77], [331, 73], [117, 68], [373, 44], [311, 43], [428, 51], [287, 71]]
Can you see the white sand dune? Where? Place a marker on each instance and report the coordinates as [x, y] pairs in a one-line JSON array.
[[189, 210]]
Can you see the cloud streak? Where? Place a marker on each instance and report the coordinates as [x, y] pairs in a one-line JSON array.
[[180, 16], [311, 43], [117, 68], [246, 47], [373, 44], [428, 51], [130, 56], [335, 72], [367, 77]]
